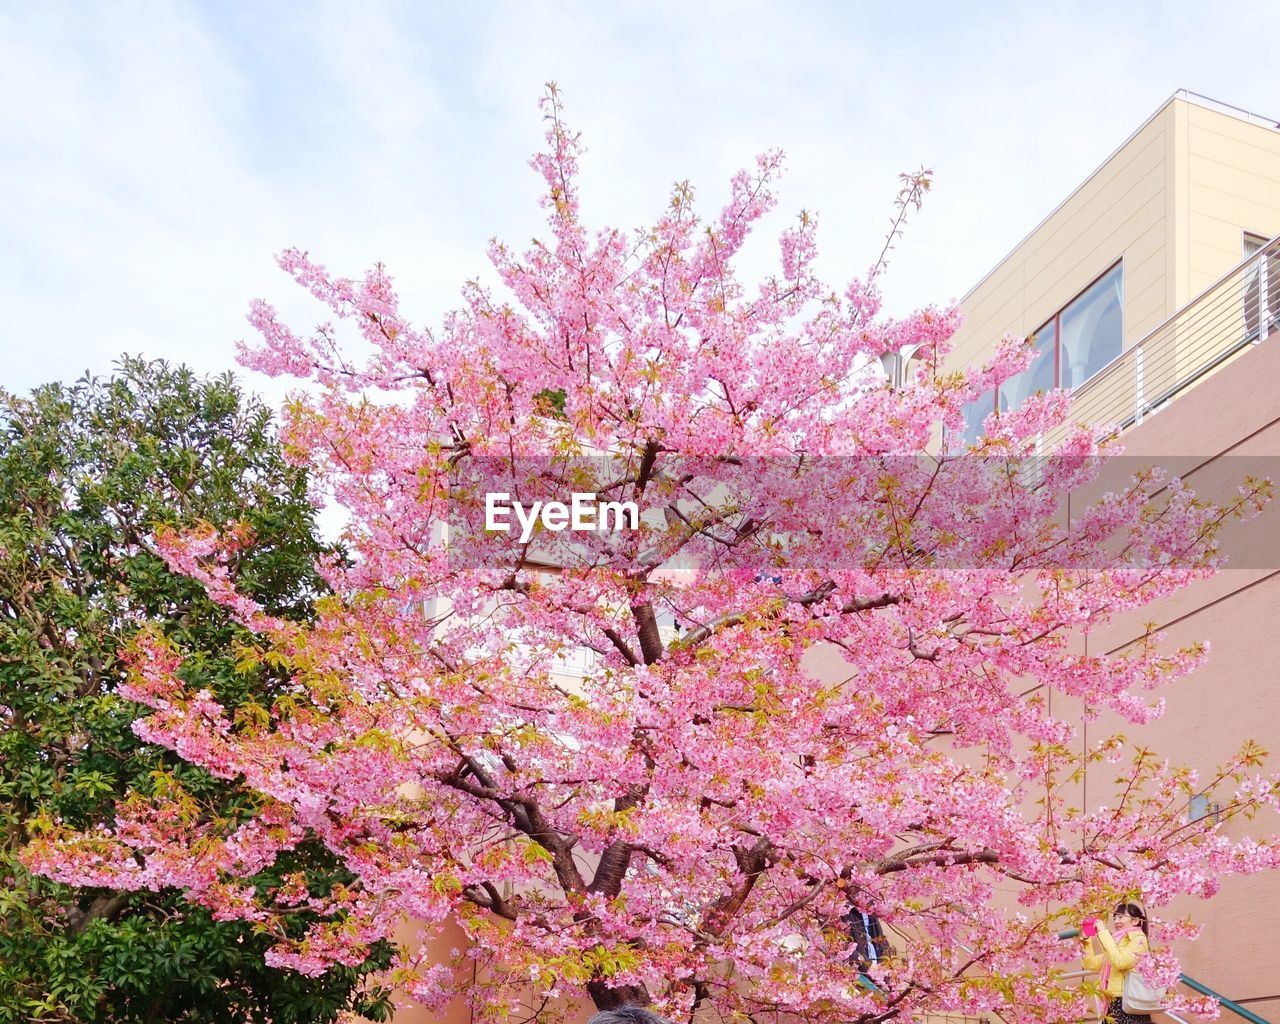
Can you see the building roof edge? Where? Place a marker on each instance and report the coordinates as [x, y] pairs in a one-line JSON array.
[[1186, 95]]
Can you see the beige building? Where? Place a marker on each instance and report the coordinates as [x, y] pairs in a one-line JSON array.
[[1192, 193], [1153, 291]]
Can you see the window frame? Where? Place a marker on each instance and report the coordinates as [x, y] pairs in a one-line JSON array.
[[1056, 321], [1255, 277]]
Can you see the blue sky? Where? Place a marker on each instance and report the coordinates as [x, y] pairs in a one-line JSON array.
[[154, 156]]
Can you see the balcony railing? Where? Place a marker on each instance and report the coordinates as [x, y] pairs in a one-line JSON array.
[[1238, 310]]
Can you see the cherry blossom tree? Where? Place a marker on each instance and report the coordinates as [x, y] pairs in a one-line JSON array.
[[670, 764]]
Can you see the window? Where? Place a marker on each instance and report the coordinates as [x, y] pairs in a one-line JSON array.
[[1069, 348], [1041, 375], [1091, 330], [1200, 807], [975, 413], [574, 661], [1262, 273]]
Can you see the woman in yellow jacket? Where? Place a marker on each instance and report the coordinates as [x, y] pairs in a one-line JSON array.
[[1121, 947]]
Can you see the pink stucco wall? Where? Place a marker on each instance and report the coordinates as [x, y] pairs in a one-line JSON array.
[[1232, 414]]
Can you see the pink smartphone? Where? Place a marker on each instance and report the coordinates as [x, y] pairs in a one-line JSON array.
[[1089, 927]]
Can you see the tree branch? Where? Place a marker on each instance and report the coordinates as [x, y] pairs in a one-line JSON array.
[[943, 859]]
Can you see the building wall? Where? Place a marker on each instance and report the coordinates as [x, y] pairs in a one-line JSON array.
[[1175, 201], [1217, 431], [1232, 174]]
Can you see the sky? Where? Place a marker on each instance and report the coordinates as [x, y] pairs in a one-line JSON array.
[[155, 156]]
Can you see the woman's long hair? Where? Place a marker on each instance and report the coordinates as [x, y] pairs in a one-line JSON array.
[[1134, 910]]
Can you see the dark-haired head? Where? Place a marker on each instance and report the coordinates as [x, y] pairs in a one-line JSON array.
[[627, 1015], [1135, 911]]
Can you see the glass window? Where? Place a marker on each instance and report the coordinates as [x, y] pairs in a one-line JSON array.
[[1200, 807], [1254, 310], [1072, 346], [1038, 376], [975, 413], [1092, 329]]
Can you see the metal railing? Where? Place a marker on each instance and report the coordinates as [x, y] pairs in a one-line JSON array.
[[1238, 310], [1223, 1001]]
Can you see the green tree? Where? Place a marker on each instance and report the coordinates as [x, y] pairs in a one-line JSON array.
[[87, 473]]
